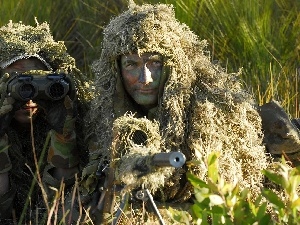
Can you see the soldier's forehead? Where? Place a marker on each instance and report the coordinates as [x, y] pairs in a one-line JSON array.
[[146, 55]]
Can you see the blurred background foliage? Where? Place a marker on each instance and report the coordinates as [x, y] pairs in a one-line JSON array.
[[260, 36]]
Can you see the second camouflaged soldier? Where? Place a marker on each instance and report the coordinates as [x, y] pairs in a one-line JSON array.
[[30, 53]]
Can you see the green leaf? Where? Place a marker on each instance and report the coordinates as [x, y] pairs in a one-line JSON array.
[[212, 158], [195, 181], [201, 194], [262, 211], [200, 213], [295, 171], [179, 216], [197, 210], [212, 186], [272, 197], [203, 205], [217, 219], [216, 200], [277, 179], [205, 218], [231, 200], [218, 210], [295, 203], [258, 200], [266, 219], [235, 190], [244, 194], [294, 183], [252, 208], [213, 167]]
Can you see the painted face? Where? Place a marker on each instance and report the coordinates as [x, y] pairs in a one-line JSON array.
[[30, 109], [143, 77]]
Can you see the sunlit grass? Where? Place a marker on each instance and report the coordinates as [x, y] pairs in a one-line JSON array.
[[260, 36]]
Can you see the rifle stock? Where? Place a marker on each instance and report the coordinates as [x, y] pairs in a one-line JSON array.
[[109, 196]]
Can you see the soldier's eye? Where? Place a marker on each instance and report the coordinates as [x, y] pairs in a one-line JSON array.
[[130, 65], [157, 63]]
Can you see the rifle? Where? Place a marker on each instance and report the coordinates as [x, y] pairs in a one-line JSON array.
[[107, 197]]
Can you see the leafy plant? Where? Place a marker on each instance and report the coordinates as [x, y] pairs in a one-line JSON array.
[[218, 202], [260, 36], [287, 210]]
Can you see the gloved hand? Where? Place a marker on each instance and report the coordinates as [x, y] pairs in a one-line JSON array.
[[8, 106], [6, 114], [61, 115], [280, 134]]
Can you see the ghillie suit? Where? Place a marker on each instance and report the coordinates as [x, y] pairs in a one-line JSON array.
[[19, 41], [202, 109]]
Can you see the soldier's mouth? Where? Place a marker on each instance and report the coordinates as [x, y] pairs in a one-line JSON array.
[[146, 90]]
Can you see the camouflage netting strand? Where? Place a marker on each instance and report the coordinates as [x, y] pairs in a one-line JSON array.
[[136, 159], [19, 39], [203, 109]]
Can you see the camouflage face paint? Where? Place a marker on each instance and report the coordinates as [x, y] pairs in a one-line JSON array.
[[142, 77]]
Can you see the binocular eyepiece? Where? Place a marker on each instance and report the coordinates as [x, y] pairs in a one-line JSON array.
[[53, 86]]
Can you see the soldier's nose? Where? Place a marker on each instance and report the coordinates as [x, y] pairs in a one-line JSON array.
[[146, 76]]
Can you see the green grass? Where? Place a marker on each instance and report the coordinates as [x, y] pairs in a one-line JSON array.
[[226, 203], [260, 36]]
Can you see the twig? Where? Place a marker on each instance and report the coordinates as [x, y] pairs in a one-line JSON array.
[[34, 180], [36, 163]]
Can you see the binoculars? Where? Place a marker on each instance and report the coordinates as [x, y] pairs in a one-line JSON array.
[[52, 86]]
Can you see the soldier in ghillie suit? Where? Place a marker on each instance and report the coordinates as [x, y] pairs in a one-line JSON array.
[[157, 91], [26, 122]]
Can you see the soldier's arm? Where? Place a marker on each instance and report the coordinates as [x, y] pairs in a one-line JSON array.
[[281, 135], [63, 158]]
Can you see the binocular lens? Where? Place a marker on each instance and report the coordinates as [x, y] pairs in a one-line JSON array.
[[51, 87], [56, 90], [27, 91]]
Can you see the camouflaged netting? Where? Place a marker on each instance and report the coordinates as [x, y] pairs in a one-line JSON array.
[[17, 39], [138, 137], [203, 109]]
